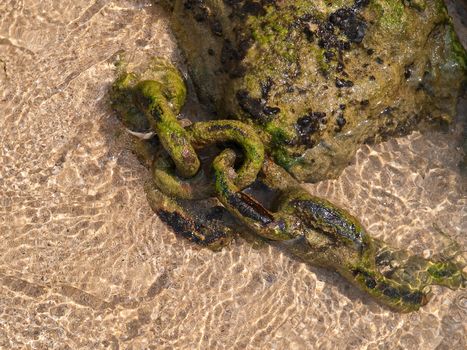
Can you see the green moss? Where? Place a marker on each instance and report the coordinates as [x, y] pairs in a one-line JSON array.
[[271, 32], [279, 138], [417, 4], [391, 15], [323, 64], [458, 53]]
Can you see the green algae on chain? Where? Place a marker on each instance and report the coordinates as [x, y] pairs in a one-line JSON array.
[[208, 234], [205, 133], [174, 138], [323, 216], [145, 105], [200, 135], [332, 238], [327, 236], [204, 231], [309, 227], [418, 271], [153, 105], [273, 226], [166, 179]]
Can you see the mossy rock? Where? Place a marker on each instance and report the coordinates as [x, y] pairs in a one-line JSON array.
[[320, 78]]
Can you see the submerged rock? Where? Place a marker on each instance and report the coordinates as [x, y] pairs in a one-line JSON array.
[[319, 78]]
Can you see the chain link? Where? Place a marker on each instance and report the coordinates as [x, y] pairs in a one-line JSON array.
[[307, 226]]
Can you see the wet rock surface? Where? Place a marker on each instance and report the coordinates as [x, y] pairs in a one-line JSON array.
[[84, 263], [393, 64]]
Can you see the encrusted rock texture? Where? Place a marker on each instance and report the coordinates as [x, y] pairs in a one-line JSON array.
[[85, 264], [320, 78]]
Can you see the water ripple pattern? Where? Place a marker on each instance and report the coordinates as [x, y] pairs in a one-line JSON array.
[[85, 264]]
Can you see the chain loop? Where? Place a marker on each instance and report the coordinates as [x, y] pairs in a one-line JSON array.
[[307, 226], [274, 226], [150, 99], [200, 135]]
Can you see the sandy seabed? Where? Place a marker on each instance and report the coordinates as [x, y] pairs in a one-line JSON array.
[[85, 264]]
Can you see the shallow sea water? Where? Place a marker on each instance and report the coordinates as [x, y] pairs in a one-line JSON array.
[[85, 264]]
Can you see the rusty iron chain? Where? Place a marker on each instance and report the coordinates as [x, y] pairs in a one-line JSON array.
[[307, 226]]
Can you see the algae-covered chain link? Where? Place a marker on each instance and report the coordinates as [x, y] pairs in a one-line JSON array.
[[153, 105], [200, 135], [151, 100], [309, 227], [181, 145]]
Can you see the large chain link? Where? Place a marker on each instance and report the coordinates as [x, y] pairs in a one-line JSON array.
[[307, 226], [178, 172]]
